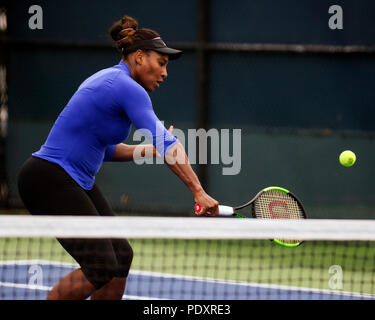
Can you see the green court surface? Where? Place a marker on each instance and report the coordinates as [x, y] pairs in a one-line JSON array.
[[259, 261]]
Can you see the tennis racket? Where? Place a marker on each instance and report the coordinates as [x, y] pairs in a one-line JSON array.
[[269, 203]]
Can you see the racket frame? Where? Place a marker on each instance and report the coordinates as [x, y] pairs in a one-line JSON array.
[[251, 202]]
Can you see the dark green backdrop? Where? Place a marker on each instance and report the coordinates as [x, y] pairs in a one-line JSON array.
[[297, 112]]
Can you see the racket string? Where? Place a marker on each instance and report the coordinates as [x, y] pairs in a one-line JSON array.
[[275, 204]]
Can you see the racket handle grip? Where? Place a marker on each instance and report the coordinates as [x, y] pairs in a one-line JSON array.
[[223, 210]]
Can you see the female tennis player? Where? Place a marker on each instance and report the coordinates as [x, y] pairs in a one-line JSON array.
[[59, 178]]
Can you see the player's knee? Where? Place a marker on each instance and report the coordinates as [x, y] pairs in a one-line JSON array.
[[98, 277], [130, 255], [125, 262], [119, 268], [124, 255], [119, 283]]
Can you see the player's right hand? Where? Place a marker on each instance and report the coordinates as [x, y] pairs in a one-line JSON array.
[[208, 205]]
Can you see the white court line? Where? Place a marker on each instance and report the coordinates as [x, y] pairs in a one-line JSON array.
[[253, 284], [41, 262], [196, 279], [24, 286], [45, 288]]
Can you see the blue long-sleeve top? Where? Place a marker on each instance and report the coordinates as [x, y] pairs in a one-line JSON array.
[[98, 117]]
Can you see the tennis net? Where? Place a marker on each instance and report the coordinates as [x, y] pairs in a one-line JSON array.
[[198, 258]]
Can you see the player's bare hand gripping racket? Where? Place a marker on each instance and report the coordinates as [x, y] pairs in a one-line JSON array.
[[269, 203]]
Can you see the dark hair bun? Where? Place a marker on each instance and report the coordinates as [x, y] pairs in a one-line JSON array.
[[123, 30]]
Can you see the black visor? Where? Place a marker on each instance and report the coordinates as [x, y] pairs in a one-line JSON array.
[[156, 44]]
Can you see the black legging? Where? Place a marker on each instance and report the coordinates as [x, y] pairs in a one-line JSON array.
[[47, 189]]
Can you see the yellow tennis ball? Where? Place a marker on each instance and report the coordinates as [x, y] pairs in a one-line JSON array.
[[347, 158]]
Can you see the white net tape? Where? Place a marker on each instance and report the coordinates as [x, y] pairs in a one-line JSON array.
[[185, 228]]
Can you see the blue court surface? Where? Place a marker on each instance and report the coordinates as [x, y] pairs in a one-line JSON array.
[[32, 280]]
